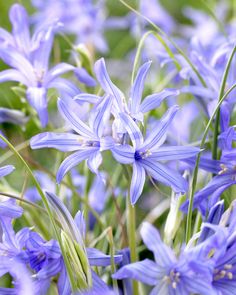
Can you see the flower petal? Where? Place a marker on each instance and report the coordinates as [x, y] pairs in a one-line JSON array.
[[57, 70], [123, 153], [65, 87], [17, 61], [65, 142], [164, 256], [159, 131], [94, 161], [37, 97], [20, 27], [106, 83], [67, 111], [98, 258], [153, 101], [145, 271], [168, 153], [87, 97], [137, 182], [5, 170], [132, 129], [13, 75], [137, 88], [84, 77], [100, 115], [166, 175], [73, 160]]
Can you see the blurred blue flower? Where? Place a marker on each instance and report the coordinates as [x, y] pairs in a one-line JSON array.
[[82, 18], [185, 275], [29, 59]]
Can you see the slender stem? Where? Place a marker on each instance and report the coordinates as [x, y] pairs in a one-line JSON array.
[[222, 89], [195, 171], [131, 229], [169, 39], [50, 214]]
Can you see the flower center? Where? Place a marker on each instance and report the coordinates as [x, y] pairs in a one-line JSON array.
[[138, 155], [225, 169], [91, 143], [224, 273], [173, 279]]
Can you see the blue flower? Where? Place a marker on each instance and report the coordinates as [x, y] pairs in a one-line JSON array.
[[84, 19], [29, 59], [145, 155], [88, 142], [185, 275], [5, 170]]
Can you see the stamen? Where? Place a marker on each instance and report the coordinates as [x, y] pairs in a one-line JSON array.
[[174, 285], [224, 169], [228, 266]]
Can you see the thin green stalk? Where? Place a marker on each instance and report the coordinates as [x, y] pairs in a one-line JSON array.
[[195, 171], [222, 89], [140, 46], [50, 214], [131, 229], [112, 252], [169, 39], [216, 19], [23, 200]]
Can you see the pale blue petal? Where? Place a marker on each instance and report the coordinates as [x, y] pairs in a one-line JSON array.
[[65, 87], [65, 142], [13, 75], [6, 39], [84, 77], [5, 170], [164, 256], [137, 182], [67, 110], [56, 71], [17, 61], [168, 153], [106, 83], [132, 129], [166, 175], [100, 115], [199, 91], [80, 223], [145, 271], [137, 88], [159, 131], [153, 101], [9, 209], [98, 258], [94, 161], [37, 97], [99, 287], [73, 160], [87, 97], [123, 153], [52, 268], [43, 40], [12, 116], [20, 27]]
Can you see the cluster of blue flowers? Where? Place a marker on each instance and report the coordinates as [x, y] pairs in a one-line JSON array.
[[157, 154]]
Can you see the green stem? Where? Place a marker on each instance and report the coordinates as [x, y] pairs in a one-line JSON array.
[[169, 39], [131, 229], [50, 214], [195, 172], [222, 89]]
